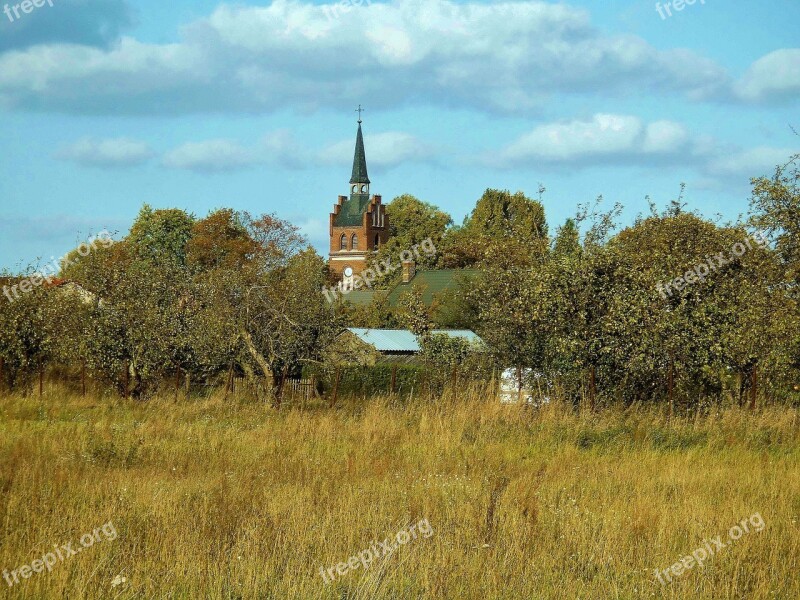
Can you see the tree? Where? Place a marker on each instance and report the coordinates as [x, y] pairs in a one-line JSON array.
[[512, 305], [411, 222], [159, 237], [499, 220], [567, 243], [26, 334], [775, 209], [413, 314], [662, 299], [219, 241]]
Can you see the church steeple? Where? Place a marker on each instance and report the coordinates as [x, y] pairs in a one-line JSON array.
[[359, 177], [358, 223]]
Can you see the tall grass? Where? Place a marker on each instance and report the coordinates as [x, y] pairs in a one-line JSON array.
[[229, 499]]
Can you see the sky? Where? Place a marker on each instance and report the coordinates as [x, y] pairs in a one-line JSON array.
[[107, 105]]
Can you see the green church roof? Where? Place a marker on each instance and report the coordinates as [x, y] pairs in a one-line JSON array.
[[353, 209], [432, 284], [359, 160]]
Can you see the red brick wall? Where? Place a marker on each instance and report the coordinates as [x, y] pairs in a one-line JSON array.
[[366, 236]]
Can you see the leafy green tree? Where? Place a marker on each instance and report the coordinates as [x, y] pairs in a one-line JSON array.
[[512, 301], [499, 220], [159, 237], [651, 322], [775, 210], [567, 243], [413, 314], [26, 335], [411, 222]]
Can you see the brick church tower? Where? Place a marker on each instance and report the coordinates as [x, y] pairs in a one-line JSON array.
[[358, 222]]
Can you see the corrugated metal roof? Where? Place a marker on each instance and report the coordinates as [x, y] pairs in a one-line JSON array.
[[403, 340]]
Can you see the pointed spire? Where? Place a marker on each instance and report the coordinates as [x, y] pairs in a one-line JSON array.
[[360, 158]]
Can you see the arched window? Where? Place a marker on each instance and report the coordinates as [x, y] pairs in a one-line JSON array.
[[343, 242], [377, 241], [354, 242]]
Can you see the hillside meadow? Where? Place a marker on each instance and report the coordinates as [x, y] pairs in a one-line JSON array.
[[215, 498]]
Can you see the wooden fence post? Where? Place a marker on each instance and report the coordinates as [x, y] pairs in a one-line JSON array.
[[279, 397], [177, 381], [592, 386], [753, 386], [41, 379], [394, 379], [83, 378]]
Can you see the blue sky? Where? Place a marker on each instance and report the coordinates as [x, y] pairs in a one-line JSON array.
[[109, 104]]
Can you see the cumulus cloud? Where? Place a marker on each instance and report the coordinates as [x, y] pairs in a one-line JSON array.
[[280, 148], [116, 153], [602, 139], [210, 156], [626, 140], [503, 57], [753, 162], [773, 78], [86, 22]]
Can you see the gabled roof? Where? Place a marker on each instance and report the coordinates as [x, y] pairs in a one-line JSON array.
[[432, 283], [403, 340]]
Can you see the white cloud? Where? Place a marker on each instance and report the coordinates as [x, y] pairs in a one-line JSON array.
[[773, 77], [280, 148], [755, 162], [118, 152], [603, 138], [505, 57], [664, 137], [210, 156]]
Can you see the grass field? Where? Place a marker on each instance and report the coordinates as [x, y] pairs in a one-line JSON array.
[[213, 499]]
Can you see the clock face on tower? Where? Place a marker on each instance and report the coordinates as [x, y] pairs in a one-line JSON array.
[[348, 272]]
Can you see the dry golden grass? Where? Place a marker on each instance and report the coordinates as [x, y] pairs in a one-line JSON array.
[[216, 499]]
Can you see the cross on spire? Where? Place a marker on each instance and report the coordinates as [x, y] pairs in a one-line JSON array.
[[359, 110]]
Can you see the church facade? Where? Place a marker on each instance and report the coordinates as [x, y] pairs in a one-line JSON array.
[[358, 223]]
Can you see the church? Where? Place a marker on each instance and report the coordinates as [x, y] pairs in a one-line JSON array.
[[358, 227], [358, 223]]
